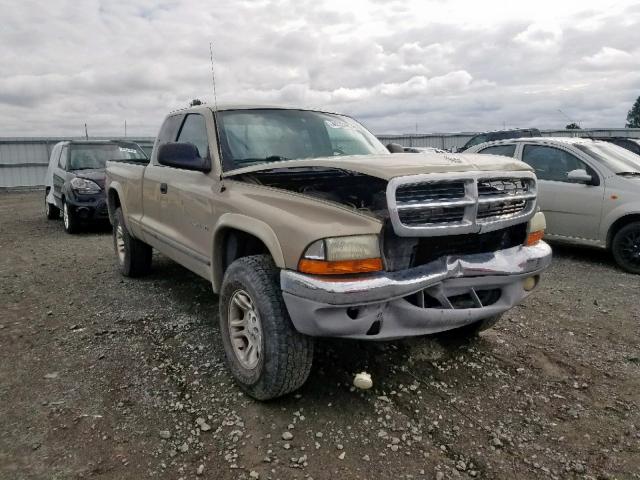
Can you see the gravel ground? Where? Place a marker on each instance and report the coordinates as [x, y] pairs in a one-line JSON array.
[[103, 376]]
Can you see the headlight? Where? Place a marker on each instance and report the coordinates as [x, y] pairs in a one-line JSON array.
[[342, 255], [535, 229], [82, 185]]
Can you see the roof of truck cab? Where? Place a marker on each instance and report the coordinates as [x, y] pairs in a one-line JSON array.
[[237, 106]]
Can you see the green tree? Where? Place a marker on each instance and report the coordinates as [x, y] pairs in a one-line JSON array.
[[633, 117], [573, 126], [194, 102]]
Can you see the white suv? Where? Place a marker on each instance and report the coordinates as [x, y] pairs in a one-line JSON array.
[[589, 191]]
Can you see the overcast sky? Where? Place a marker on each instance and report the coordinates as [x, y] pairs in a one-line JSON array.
[[441, 65]]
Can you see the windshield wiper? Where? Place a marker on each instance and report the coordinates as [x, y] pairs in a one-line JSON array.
[[629, 174], [251, 161]]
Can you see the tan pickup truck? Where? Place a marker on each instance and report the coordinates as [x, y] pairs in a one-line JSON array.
[[307, 226]]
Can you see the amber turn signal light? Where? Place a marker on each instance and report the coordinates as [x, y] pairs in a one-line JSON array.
[[534, 237], [339, 267]]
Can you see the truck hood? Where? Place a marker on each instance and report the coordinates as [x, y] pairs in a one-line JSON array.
[[393, 165]]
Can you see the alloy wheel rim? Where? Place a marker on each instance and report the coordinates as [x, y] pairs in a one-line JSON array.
[[120, 243], [245, 329], [65, 215], [630, 248]]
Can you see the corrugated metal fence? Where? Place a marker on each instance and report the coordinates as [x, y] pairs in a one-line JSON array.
[[24, 160]]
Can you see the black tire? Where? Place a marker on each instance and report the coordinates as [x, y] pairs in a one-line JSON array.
[[473, 329], [51, 211], [70, 220], [133, 256], [625, 247], [285, 358]]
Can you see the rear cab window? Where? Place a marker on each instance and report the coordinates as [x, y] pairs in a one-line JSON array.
[[168, 132]]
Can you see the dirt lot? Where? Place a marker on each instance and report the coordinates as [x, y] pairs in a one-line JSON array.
[[102, 376]]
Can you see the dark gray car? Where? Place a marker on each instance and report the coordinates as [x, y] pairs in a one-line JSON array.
[[75, 179]]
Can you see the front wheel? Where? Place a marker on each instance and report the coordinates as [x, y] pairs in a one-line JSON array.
[[473, 329], [69, 219], [266, 355], [134, 256], [625, 247]]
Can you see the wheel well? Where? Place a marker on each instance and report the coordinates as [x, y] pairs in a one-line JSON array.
[[113, 203], [618, 224], [232, 244]]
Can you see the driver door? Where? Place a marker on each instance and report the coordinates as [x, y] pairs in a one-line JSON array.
[[573, 210]]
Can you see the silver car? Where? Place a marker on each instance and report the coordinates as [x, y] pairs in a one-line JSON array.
[[589, 191]]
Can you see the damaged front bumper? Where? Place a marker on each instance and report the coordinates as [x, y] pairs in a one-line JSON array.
[[450, 292]]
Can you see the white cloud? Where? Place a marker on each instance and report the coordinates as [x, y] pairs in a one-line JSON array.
[[447, 66], [611, 58]]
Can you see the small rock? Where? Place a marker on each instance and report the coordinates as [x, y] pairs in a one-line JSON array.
[[166, 434], [319, 434], [496, 442], [366, 458], [51, 375], [184, 447], [342, 455], [253, 474], [439, 475], [200, 470], [287, 435]]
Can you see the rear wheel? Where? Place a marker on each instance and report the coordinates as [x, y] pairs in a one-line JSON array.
[[625, 247], [266, 355], [134, 256], [51, 211], [69, 219]]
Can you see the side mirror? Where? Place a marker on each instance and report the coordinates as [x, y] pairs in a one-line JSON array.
[[579, 176], [395, 148], [184, 156]]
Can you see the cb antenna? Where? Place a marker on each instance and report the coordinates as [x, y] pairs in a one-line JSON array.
[[213, 78], [215, 113]]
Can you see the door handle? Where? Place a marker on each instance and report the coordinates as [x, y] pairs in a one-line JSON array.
[[163, 188]]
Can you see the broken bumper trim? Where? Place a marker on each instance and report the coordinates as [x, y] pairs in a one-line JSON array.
[[319, 306]]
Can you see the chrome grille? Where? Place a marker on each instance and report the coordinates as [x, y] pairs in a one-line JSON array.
[[437, 204], [423, 192]]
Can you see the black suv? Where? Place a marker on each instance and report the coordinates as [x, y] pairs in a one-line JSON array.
[[631, 144], [75, 179], [501, 135]]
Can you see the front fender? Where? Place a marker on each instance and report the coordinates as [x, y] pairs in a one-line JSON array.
[[624, 210], [257, 228]]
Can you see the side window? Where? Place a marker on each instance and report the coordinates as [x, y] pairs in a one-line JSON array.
[[505, 150], [194, 131], [169, 130], [552, 163], [55, 155], [62, 163]]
